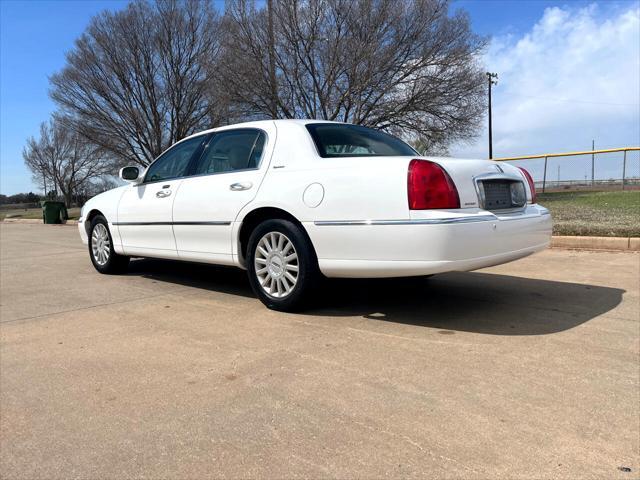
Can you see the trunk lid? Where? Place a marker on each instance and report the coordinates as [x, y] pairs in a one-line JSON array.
[[482, 183]]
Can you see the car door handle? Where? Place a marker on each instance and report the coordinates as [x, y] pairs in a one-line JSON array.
[[236, 187], [163, 193]]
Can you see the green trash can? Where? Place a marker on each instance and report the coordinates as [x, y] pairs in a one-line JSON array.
[[54, 212]]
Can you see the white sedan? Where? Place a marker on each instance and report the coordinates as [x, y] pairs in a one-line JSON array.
[[289, 200]]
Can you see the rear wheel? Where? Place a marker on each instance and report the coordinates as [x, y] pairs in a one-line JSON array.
[[103, 256], [281, 264]]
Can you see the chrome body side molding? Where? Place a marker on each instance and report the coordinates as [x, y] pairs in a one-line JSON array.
[[491, 217], [171, 223], [417, 221]]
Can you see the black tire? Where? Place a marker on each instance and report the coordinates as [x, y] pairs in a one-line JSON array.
[[114, 263], [307, 274]]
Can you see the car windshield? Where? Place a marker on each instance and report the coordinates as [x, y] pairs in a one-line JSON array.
[[341, 140]]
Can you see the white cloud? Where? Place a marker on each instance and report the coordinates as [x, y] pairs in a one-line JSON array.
[[574, 77]]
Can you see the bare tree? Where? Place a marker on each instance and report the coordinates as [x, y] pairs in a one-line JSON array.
[[65, 157], [404, 65], [135, 82], [39, 177], [142, 78]]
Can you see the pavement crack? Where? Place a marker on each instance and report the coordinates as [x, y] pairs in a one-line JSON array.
[[415, 444], [48, 255], [402, 337], [79, 309]]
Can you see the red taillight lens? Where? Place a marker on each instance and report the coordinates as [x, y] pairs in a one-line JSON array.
[[532, 185], [429, 186]]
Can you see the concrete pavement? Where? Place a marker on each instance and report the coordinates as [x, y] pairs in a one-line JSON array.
[[526, 370]]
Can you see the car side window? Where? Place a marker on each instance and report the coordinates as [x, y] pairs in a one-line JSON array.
[[343, 140], [174, 162], [232, 150]]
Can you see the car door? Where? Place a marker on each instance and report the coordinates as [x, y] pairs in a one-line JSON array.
[[145, 210], [224, 179]]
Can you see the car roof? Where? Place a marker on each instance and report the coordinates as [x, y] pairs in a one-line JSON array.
[[258, 123]]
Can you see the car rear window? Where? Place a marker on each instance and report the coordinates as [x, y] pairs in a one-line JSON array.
[[338, 140]]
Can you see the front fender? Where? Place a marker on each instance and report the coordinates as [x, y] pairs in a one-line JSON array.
[[106, 204]]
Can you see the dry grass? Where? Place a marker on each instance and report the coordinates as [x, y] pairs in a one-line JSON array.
[[603, 214], [74, 213]]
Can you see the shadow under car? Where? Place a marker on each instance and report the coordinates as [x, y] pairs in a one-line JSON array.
[[478, 302]]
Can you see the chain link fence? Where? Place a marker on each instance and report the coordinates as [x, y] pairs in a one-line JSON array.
[[611, 169]]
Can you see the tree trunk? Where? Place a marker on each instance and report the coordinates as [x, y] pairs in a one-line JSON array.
[[68, 196]]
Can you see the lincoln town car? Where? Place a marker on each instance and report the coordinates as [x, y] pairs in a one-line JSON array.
[[291, 201]]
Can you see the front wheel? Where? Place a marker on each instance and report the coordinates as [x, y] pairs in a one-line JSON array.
[[103, 256], [282, 265]]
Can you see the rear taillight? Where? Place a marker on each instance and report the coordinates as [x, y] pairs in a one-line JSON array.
[[429, 186], [532, 186]]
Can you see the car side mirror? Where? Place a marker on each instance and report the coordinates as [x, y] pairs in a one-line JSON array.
[[130, 174]]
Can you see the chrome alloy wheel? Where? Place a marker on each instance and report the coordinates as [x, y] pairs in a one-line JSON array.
[[100, 244], [276, 264]]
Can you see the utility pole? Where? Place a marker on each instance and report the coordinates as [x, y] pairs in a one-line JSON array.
[[493, 80], [272, 60]]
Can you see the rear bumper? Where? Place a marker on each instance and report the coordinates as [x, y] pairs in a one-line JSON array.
[[441, 242]]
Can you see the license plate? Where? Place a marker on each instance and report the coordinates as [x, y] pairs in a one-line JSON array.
[[502, 194]]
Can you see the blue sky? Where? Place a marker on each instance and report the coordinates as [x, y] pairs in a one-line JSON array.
[[35, 34]]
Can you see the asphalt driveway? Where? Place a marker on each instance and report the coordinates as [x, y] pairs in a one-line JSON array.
[[527, 370]]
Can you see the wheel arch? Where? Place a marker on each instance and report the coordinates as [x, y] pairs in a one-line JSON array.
[[254, 218], [94, 212]]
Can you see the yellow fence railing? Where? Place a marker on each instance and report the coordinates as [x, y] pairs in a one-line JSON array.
[[547, 156]]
